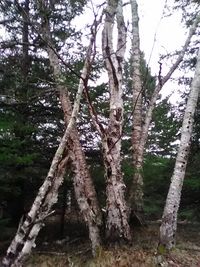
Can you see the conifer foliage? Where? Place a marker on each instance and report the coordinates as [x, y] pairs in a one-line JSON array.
[[58, 115]]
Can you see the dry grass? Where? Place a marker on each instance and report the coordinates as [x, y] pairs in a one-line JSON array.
[[121, 257], [142, 253]]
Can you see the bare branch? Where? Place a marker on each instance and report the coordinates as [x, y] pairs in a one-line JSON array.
[[162, 82]]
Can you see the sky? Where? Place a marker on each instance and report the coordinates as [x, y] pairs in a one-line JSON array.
[[157, 32], [159, 35]]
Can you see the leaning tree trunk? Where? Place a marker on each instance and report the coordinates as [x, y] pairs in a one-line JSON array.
[[136, 192], [169, 218], [117, 226], [83, 186], [28, 229]]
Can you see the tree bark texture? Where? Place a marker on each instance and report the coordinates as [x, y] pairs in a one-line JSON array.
[[169, 218], [117, 226], [83, 185], [28, 229], [136, 191]]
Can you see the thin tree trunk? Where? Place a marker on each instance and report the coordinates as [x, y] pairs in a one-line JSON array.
[[28, 230], [169, 218], [69, 201], [117, 226], [136, 191], [83, 185]]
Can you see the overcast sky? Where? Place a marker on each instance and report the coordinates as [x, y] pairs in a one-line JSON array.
[[159, 34], [168, 30], [168, 33]]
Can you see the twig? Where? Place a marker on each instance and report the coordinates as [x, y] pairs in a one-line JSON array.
[[50, 253]]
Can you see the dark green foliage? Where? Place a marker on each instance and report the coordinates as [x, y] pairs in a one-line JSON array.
[[31, 121], [157, 174], [187, 2], [191, 190], [19, 156], [164, 130]]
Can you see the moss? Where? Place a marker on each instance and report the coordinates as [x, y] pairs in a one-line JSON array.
[[162, 249]]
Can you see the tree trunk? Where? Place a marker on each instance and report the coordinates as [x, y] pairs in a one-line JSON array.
[[169, 218], [28, 229], [83, 185], [136, 191], [117, 226]]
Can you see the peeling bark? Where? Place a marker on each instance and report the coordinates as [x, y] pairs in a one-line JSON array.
[[117, 226], [28, 229], [136, 191], [169, 218], [83, 185]]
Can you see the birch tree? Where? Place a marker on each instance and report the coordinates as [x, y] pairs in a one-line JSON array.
[[169, 219], [136, 192], [117, 226], [83, 185], [30, 226], [140, 135]]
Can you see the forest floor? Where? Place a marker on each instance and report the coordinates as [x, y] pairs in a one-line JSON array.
[[74, 250]]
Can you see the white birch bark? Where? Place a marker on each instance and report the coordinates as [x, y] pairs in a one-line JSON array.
[[28, 230], [169, 218], [83, 185], [117, 226], [136, 192]]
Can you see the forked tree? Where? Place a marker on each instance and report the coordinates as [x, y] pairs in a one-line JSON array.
[[117, 226]]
